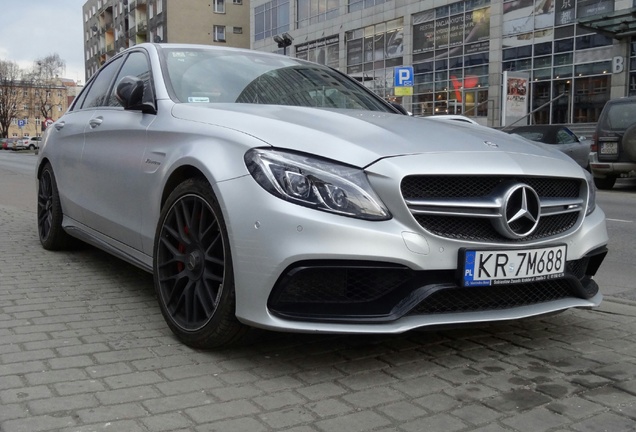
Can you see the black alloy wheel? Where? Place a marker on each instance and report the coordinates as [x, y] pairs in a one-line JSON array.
[[52, 235], [193, 268]]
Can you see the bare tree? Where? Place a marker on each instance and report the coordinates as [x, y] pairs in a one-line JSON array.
[[10, 94], [44, 78]]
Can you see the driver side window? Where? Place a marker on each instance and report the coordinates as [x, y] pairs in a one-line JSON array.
[[136, 65]]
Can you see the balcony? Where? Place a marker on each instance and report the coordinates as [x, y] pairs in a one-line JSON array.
[[142, 27]]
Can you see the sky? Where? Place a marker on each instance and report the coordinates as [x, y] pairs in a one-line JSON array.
[[32, 29]]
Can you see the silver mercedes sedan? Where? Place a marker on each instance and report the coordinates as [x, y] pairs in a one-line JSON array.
[[265, 191]]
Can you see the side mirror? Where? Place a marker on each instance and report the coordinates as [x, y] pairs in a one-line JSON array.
[[130, 94], [400, 108]]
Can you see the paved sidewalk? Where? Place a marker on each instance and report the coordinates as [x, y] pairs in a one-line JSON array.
[[83, 347]]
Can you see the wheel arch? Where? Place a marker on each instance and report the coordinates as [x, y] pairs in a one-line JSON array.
[[178, 176], [42, 164]]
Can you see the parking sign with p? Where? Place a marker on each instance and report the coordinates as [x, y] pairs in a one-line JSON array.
[[403, 80], [404, 76]]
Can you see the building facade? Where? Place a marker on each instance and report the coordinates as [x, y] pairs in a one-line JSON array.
[[561, 59], [111, 26], [39, 102]]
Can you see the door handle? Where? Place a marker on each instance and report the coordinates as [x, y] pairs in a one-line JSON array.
[[59, 125], [94, 122]]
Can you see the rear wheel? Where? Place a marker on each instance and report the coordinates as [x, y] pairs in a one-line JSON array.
[[605, 183], [52, 235], [193, 272]]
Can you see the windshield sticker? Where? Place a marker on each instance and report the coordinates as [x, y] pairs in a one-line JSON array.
[[199, 99]]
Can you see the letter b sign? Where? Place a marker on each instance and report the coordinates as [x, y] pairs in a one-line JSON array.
[[618, 65]]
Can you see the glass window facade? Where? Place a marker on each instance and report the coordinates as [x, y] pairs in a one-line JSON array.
[[356, 5], [271, 18], [450, 59], [324, 51], [315, 11], [569, 67], [373, 52]]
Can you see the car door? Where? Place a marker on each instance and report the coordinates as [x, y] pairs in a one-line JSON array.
[[67, 134], [115, 141], [570, 145]]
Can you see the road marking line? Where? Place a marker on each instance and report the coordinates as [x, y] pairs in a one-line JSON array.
[[619, 220]]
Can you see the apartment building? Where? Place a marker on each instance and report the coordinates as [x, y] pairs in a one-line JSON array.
[[555, 61], [111, 26], [38, 102]]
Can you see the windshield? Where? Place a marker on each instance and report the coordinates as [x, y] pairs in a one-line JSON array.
[[225, 76]]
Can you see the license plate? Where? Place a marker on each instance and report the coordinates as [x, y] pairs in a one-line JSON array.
[[500, 267], [609, 148]]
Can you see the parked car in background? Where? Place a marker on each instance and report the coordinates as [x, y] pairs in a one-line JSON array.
[[9, 143], [453, 118], [4, 143], [614, 149], [27, 143], [33, 143], [21, 143], [559, 136], [264, 190]]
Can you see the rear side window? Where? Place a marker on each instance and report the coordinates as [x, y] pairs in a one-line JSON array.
[[620, 116], [531, 135], [565, 137]]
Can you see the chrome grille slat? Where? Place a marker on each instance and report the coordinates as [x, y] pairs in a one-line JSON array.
[[462, 207]]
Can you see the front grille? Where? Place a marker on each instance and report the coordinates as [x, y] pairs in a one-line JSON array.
[[473, 192], [415, 187], [480, 229]]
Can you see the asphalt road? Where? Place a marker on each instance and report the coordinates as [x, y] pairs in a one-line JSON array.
[[617, 274]]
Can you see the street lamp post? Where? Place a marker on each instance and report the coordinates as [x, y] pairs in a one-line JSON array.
[[283, 41]]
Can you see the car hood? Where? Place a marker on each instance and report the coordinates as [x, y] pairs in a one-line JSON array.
[[356, 137]]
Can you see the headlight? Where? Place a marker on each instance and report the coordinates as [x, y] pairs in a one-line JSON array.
[[316, 183], [591, 197]]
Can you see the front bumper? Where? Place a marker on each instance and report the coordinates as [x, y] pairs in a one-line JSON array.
[[276, 245], [373, 292]]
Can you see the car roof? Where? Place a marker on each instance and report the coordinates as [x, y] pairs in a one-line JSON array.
[[626, 99], [538, 128]]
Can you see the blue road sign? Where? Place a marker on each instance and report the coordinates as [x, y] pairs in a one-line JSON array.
[[21, 123], [403, 76]]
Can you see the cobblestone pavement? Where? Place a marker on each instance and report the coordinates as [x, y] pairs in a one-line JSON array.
[[83, 347]]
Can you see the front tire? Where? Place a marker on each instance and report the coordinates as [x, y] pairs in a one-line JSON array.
[[192, 267], [52, 235]]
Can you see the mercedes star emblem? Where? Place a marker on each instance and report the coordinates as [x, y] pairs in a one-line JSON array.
[[521, 210]]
